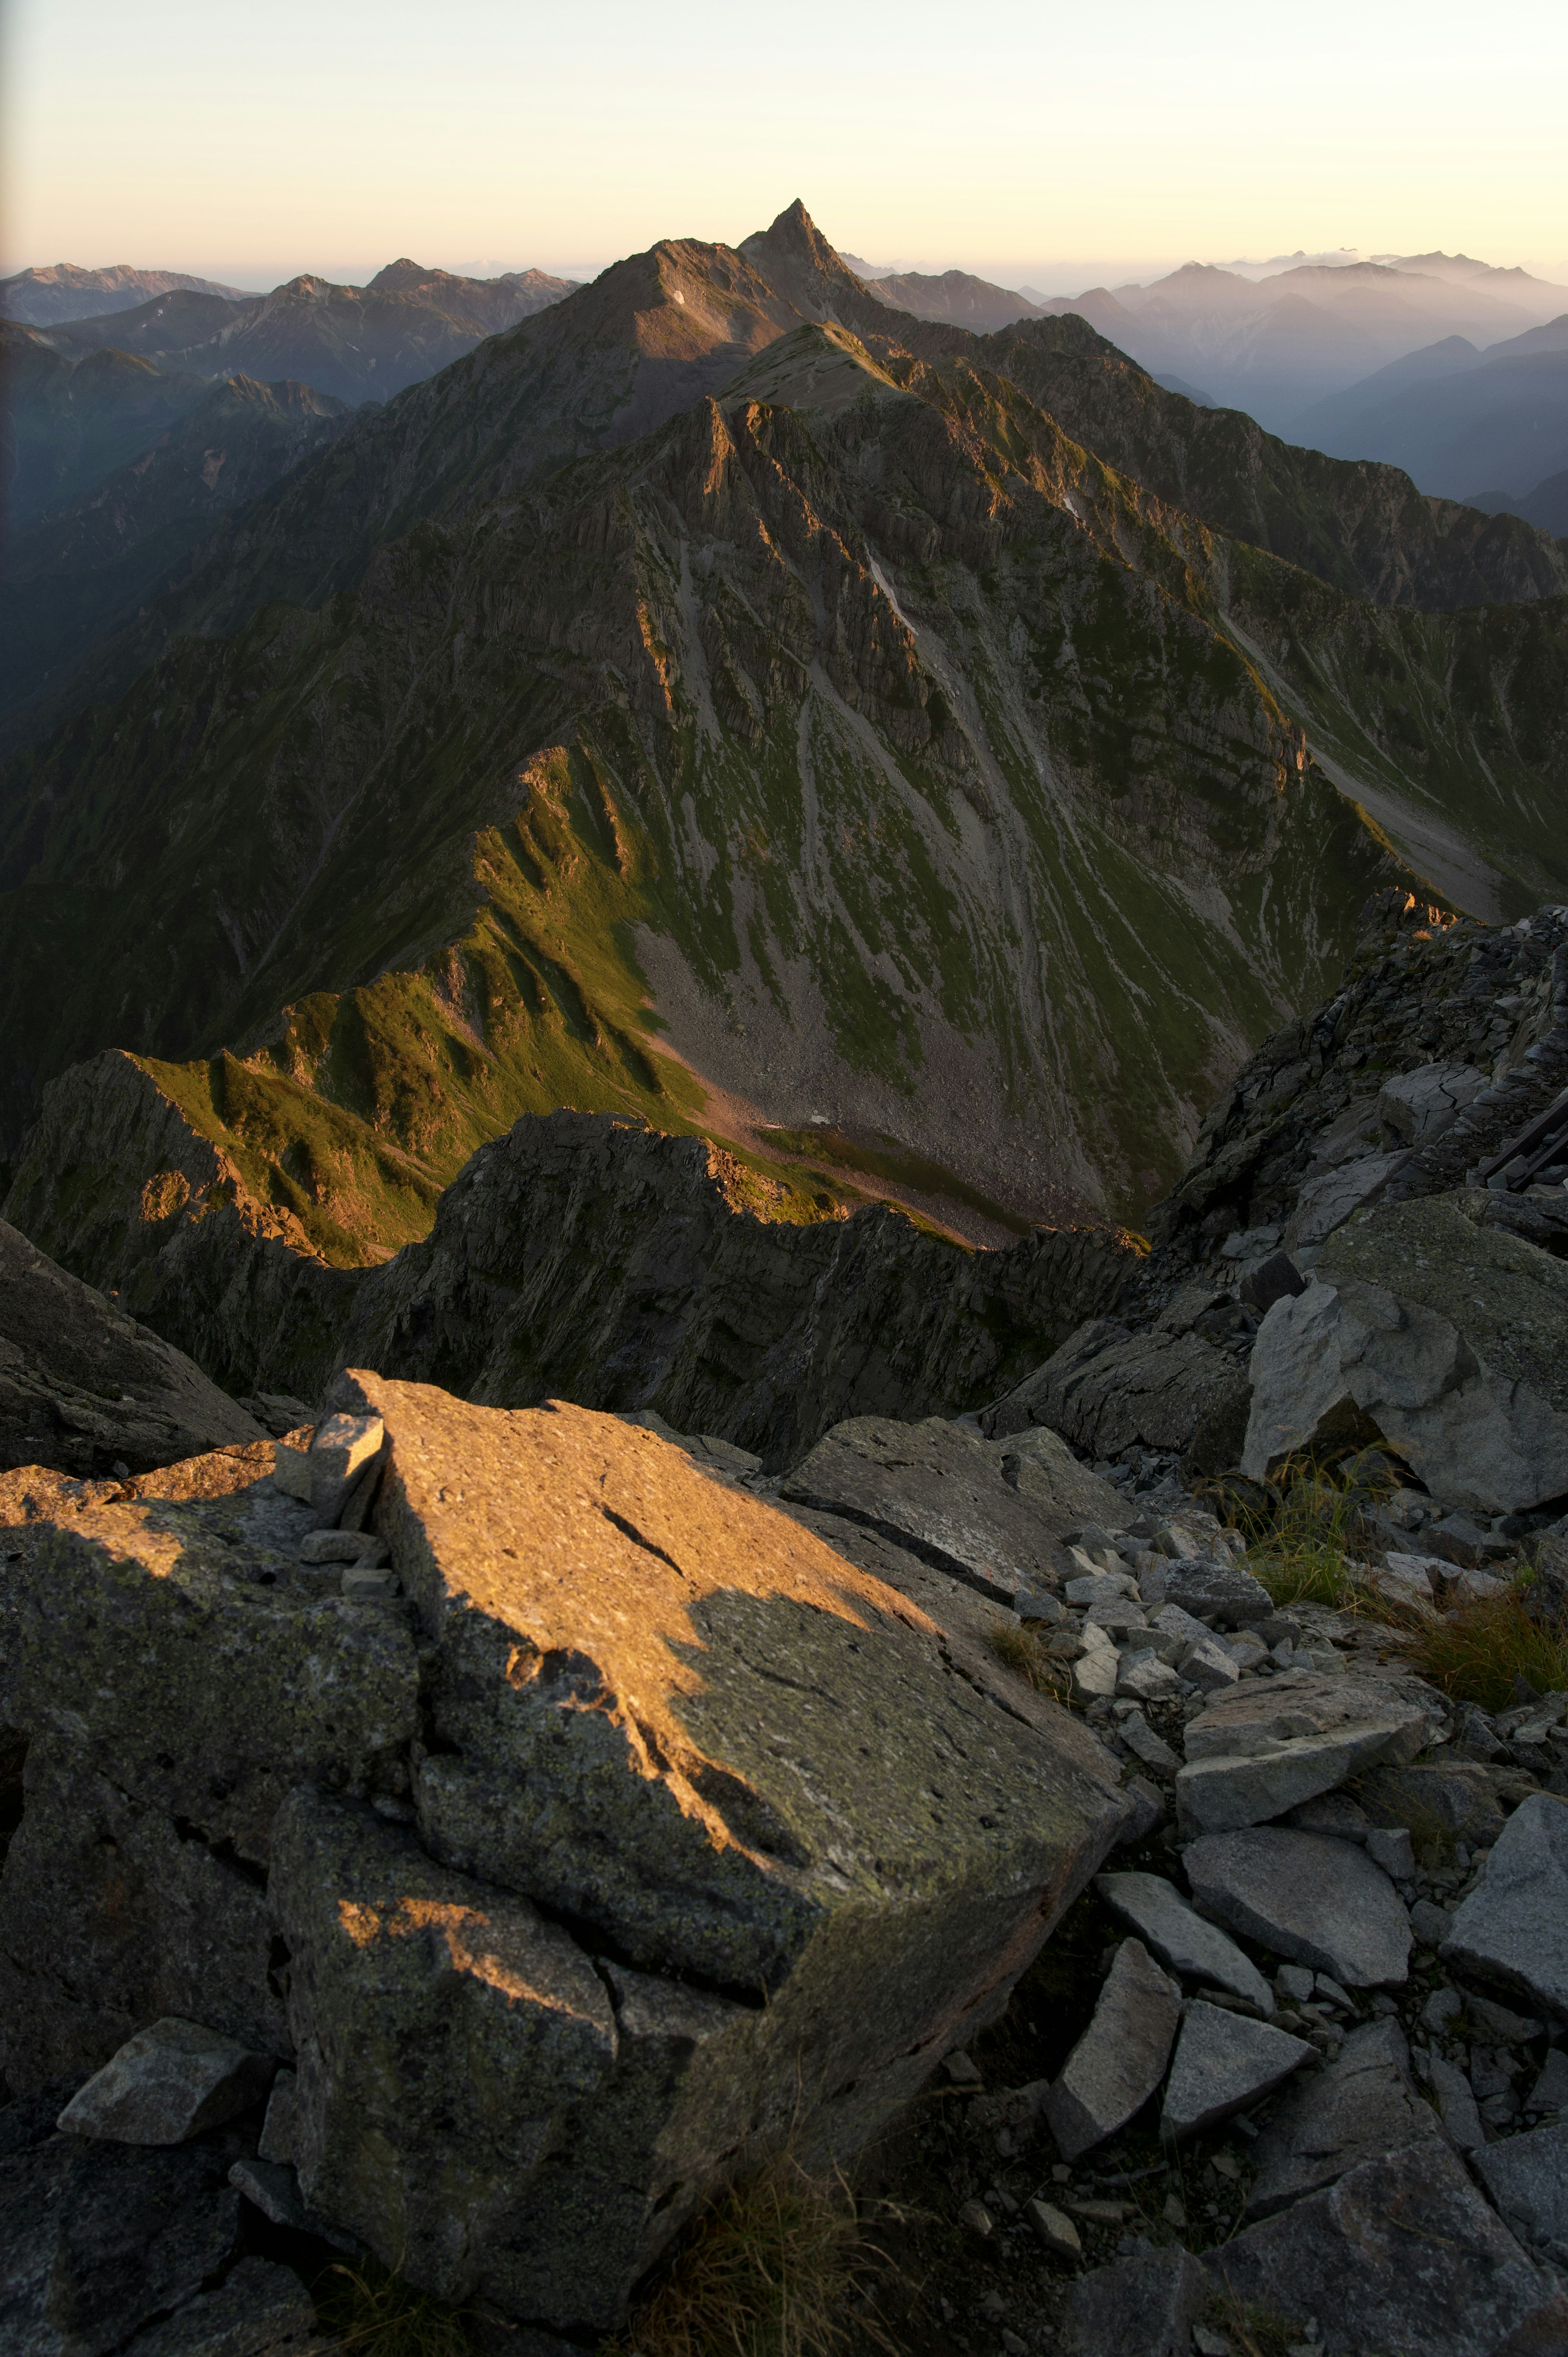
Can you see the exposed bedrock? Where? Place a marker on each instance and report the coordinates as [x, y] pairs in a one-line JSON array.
[[612, 1830]]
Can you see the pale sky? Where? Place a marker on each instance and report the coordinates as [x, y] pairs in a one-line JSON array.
[[1030, 140]]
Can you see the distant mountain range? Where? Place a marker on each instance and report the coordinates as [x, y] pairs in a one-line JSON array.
[[729, 701], [39, 298], [356, 343], [1459, 418], [1277, 346]]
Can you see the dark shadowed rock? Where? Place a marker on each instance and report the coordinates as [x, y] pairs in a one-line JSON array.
[[83, 1388], [260, 2309], [1360, 2108], [1402, 2257], [1509, 1933], [97, 2239], [1527, 2176], [166, 2085], [1108, 1389], [936, 1489], [1148, 2305]]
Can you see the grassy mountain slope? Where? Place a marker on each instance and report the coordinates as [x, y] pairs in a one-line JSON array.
[[852, 739], [1360, 526], [86, 567]]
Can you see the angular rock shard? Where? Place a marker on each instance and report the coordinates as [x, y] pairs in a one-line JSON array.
[[1509, 1933], [1222, 2062], [166, 2085], [1182, 1938], [1122, 2056], [1362, 2107], [1311, 1900], [1219, 1793], [1403, 2256], [1146, 2305], [1527, 2176], [936, 1488], [1445, 1337]]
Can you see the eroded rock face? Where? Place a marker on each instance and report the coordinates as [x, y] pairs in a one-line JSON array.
[[1444, 1336], [629, 1828], [83, 1387]]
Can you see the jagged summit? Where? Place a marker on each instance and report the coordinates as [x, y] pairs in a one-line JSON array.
[[795, 257]]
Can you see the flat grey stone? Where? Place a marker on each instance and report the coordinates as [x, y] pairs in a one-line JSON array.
[[258, 2307], [935, 1487], [1040, 1466], [1456, 1800], [1512, 1931], [1142, 2306], [1122, 2056], [1223, 2062], [1402, 2257], [1151, 1748], [1219, 1794], [1527, 2176], [1391, 1847], [1141, 1673], [1208, 1664], [1312, 1901], [1263, 1715], [1210, 1589], [166, 2085], [1456, 2103], [1429, 1923], [1334, 1814], [1181, 1938], [1360, 2107]]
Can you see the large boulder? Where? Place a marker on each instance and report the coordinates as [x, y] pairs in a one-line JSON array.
[[83, 1388], [1109, 1389], [1433, 1330], [640, 1831]]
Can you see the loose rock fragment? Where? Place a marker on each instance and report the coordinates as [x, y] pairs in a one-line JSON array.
[[1183, 1939], [1402, 2257], [1056, 2232], [166, 2085], [1220, 1794], [344, 1457], [1360, 2107], [1456, 2103], [1510, 1931], [1317, 1901], [1223, 2062], [1120, 2058]]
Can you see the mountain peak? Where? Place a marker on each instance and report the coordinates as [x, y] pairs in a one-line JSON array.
[[795, 258]]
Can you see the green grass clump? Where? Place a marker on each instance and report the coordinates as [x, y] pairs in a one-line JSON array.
[[1301, 1551], [1475, 1652], [1023, 1652], [770, 2270], [374, 2313]]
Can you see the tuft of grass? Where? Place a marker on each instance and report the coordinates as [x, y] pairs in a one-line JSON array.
[[776, 2266], [373, 2313], [1475, 1652], [1253, 2331], [1032, 1661], [1302, 1543]]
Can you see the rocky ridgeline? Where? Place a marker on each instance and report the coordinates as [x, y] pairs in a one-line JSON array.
[[471, 1830]]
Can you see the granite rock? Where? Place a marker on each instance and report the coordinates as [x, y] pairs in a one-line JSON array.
[[1402, 2255], [1307, 1898], [1181, 1938], [83, 1387], [1527, 2176], [1262, 1717], [936, 1489], [1359, 2109], [1120, 2059], [1509, 1933], [1219, 1792], [1441, 1335], [260, 2309], [1147, 2305], [1223, 2061], [166, 2085]]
